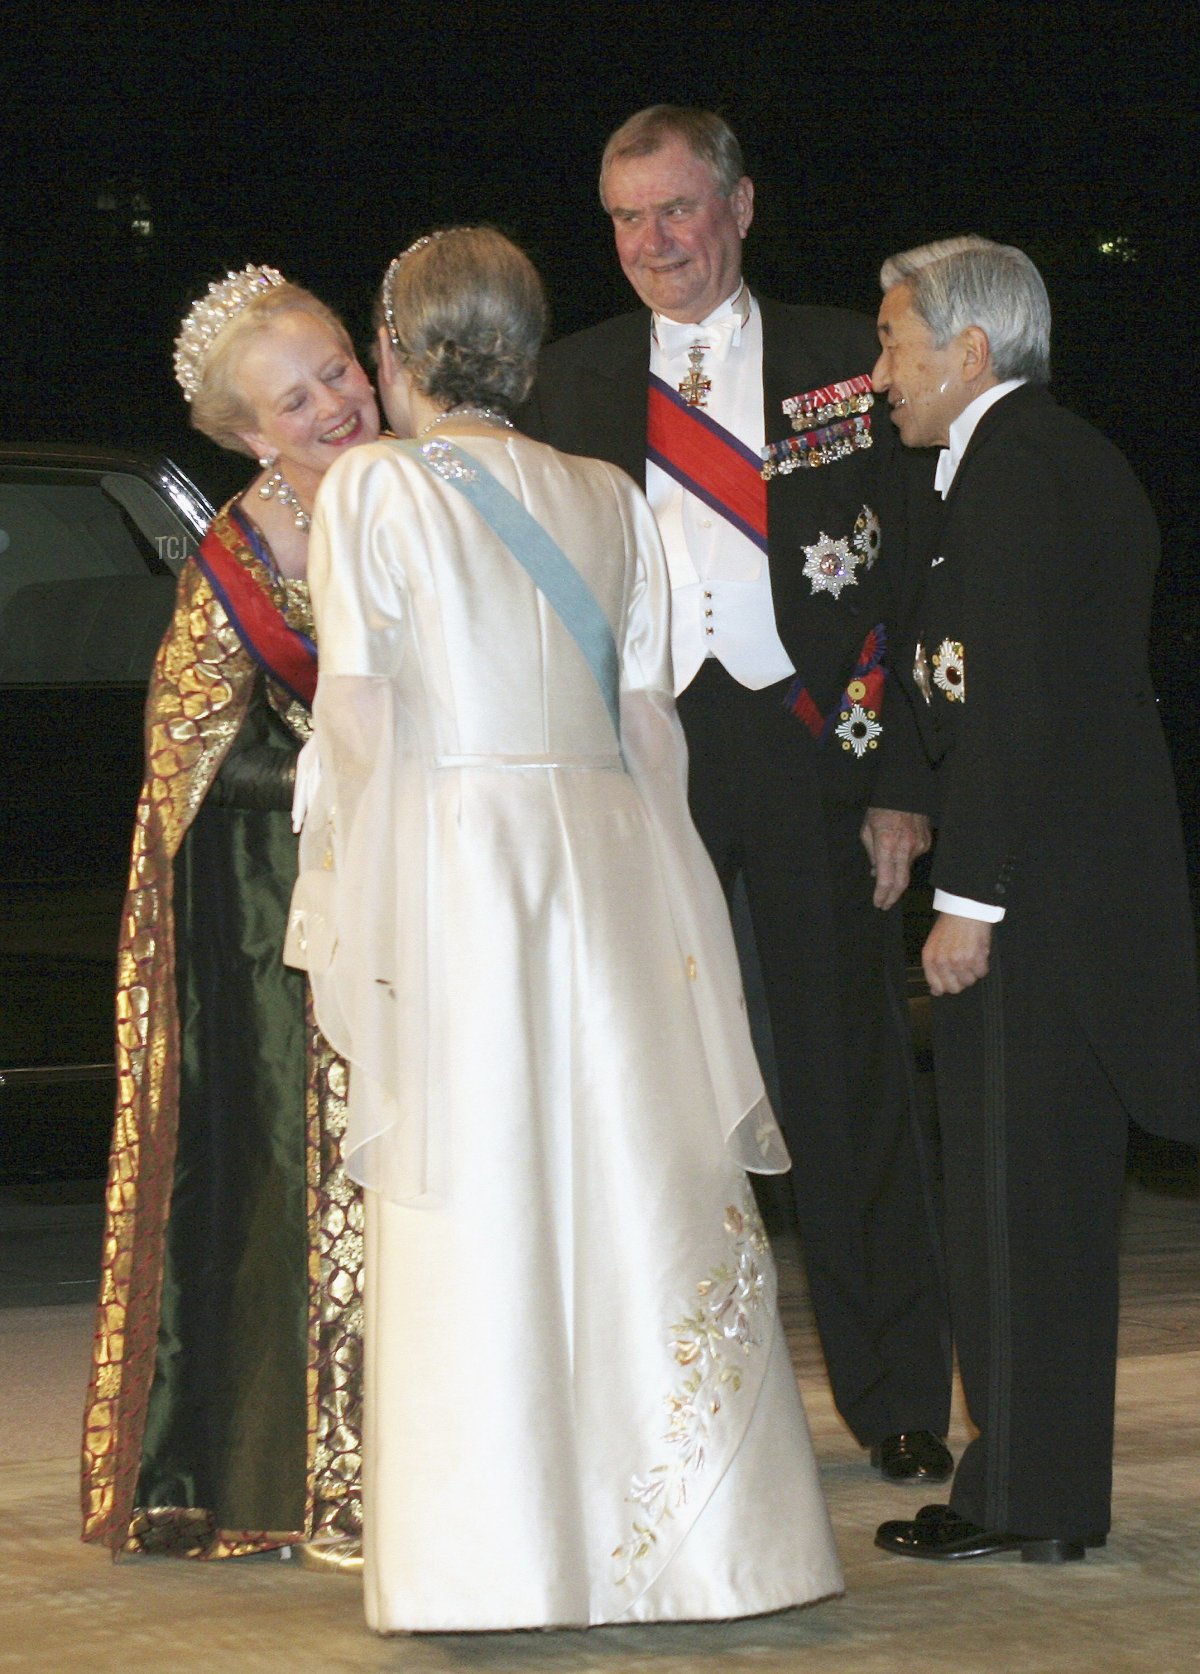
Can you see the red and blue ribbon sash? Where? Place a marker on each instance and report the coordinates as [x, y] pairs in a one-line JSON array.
[[865, 687], [284, 653], [707, 460]]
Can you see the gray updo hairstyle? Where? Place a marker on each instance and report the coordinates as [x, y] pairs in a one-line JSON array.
[[466, 313]]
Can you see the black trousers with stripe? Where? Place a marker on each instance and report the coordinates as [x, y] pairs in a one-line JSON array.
[[1033, 1144], [833, 971]]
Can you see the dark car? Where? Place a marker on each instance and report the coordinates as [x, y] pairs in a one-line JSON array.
[[91, 543]]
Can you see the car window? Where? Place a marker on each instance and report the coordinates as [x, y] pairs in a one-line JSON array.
[[86, 577]]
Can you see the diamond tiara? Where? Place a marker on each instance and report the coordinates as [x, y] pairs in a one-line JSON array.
[[222, 302], [389, 278]]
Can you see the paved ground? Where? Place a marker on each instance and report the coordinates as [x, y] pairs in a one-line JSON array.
[[1134, 1606]]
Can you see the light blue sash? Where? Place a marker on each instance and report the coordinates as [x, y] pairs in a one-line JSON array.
[[539, 556]]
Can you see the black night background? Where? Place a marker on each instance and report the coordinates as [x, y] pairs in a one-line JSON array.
[[147, 148]]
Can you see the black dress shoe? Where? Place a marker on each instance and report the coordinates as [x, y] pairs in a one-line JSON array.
[[913, 1456], [943, 1536]]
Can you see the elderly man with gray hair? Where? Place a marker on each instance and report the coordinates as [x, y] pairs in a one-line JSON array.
[[1061, 960], [749, 423]]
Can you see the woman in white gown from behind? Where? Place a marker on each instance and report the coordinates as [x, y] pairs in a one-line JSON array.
[[579, 1402]]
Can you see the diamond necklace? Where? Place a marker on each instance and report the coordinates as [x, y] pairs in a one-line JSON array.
[[466, 410], [278, 488]]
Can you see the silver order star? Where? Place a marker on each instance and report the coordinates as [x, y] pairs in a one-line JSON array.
[[830, 565], [859, 730], [949, 670]]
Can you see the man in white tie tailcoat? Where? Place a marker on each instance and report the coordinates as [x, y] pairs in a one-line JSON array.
[[1062, 955], [775, 484]]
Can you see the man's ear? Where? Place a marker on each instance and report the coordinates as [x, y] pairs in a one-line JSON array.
[[743, 204], [976, 353]]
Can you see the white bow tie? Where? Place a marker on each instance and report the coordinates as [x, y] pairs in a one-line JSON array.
[[717, 336]]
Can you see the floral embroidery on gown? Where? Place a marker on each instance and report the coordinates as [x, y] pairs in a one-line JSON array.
[[578, 1402]]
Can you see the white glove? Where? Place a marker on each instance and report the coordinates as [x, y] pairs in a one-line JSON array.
[[308, 778]]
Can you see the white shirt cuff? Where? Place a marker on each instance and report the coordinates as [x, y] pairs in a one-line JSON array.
[[963, 907]]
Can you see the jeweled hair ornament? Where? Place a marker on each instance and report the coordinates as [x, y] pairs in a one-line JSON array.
[[222, 302], [389, 278]]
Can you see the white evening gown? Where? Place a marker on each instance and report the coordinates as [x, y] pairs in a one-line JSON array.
[[579, 1402]]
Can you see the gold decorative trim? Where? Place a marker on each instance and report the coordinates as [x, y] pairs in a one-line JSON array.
[[199, 693]]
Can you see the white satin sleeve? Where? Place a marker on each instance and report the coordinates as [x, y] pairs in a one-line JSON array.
[[655, 753], [363, 848], [356, 563]]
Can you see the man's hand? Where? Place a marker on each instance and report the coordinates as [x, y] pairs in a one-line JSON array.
[[893, 841], [956, 953]]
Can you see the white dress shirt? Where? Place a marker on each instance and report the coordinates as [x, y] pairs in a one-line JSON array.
[[963, 429], [949, 460], [721, 604]]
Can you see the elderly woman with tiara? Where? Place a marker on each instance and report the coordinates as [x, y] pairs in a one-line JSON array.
[[579, 1405], [223, 1411]]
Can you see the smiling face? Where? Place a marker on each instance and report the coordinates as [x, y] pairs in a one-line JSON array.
[[927, 387], [310, 398], [679, 240]]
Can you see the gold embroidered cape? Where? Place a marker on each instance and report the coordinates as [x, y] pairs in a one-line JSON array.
[[199, 696]]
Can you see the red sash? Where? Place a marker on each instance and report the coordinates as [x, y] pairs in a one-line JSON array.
[[237, 578], [707, 460], [867, 677]]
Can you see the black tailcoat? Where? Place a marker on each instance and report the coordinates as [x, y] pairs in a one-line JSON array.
[[785, 813], [590, 398], [1055, 801]]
